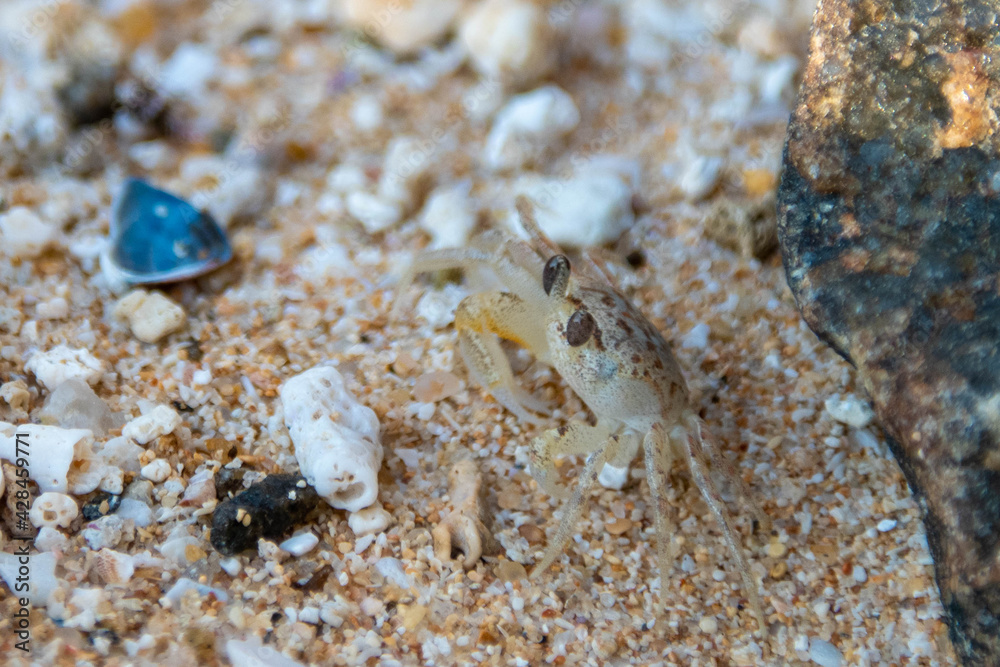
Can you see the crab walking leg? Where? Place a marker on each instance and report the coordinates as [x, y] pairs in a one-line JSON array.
[[659, 457], [699, 472], [709, 445], [573, 508], [573, 438], [480, 316]]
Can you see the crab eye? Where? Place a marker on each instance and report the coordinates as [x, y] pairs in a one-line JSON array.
[[580, 328], [556, 269]]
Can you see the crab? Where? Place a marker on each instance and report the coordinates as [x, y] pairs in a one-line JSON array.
[[615, 360]]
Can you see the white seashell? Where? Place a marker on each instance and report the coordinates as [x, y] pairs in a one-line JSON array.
[[113, 567], [336, 438]]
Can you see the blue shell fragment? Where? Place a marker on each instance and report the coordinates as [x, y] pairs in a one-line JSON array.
[[159, 238]]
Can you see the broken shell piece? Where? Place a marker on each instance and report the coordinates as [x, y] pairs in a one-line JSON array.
[[53, 509], [113, 567], [370, 520], [336, 438], [62, 363], [463, 528], [61, 459]]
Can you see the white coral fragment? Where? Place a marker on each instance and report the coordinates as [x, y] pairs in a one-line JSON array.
[[62, 363], [150, 426], [24, 234], [53, 509], [59, 459], [463, 528], [336, 438]]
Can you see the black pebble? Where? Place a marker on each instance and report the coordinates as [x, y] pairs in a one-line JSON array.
[[92, 508], [275, 506]]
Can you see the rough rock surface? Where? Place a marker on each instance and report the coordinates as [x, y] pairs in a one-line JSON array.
[[889, 218], [271, 509]]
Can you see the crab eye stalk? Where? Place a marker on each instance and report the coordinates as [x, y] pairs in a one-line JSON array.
[[556, 275], [580, 327]]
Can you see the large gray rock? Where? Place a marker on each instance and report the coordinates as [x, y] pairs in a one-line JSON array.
[[889, 220]]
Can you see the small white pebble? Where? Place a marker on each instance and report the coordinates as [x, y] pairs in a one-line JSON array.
[[449, 216], [510, 40], [369, 520], [885, 525], [156, 470], [161, 420], [374, 213], [301, 544], [23, 234], [708, 625], [150, 315], [860, 574], [613, 477], [824, 653], [232, 566], [697, 337], [528, 125], [687, 564], [851, 410]]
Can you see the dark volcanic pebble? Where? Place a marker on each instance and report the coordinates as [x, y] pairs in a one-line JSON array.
[[271, 509], [889, 220], [101, 505]]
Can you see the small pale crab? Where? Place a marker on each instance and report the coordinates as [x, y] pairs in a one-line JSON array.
[[611, 356]]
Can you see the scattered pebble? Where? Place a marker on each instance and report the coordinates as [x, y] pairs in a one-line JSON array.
[[849, 410], [708, 625], [159, 421], [150, 315], [23, 235], [449, 216], [336, 438], [269, 509], [528, 125], [590, 207], [510, 40], [156, 470], [824, 653], [301, 544], [403, 27], [101, 505], [369, 520], [860, 574], [436, 386], [885, 525]]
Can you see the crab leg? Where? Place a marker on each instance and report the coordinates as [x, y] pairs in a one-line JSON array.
[[659, 457], [477, 319], [586, 438], [699, 472]]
